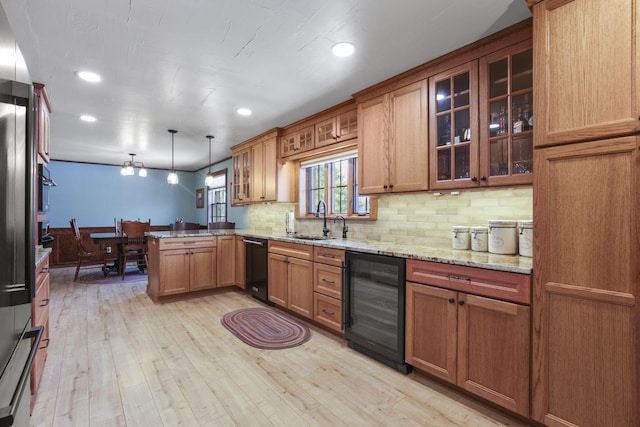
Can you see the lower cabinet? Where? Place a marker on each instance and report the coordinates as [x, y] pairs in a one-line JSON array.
[[226, 260], [327, 287], [239, 278], [40, 317], [480, 343], [180, 265], [290, 273]]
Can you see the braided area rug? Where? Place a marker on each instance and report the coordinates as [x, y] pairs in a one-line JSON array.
[[265, 328]]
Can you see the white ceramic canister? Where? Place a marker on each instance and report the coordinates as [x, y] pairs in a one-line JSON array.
[[460, 237], [503, 237], [480, 239], [525, 238]]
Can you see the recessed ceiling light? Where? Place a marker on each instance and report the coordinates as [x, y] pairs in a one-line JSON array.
[[343, 49], [87, 118], [89, 76], [244, 111]]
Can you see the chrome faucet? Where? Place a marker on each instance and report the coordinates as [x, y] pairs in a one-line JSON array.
[[325, 230], [344, 225]]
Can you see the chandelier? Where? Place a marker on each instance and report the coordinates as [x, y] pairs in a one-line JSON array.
[[129, 166]]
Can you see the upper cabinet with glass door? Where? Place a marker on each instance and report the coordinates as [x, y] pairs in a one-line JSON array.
[[506, 116], [453, 127]]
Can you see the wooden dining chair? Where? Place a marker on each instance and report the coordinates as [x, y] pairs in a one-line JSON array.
[[87, 258], [134, 244]]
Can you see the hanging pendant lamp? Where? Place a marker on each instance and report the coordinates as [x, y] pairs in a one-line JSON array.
[[208, 181], [172, 178]]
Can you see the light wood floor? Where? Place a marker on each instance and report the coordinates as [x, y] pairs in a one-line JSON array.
[[117, 359]]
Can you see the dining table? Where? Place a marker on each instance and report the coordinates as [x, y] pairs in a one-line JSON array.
[[110, 240]]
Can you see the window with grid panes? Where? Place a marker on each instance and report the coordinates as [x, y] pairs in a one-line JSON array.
[[333, 179], [217, 198]]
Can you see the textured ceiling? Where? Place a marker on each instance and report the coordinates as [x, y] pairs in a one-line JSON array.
[[189, 65]]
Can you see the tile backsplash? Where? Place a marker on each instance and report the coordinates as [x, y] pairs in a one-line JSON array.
[[416, 218]]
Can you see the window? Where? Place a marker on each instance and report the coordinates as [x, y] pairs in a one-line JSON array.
[[217, 197], [333, 180]]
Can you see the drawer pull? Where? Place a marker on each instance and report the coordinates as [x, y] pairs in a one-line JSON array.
[[326, 255], [330, 313], [45, 346], [457, 278], [45, 302], [328, 281], [44, 270]]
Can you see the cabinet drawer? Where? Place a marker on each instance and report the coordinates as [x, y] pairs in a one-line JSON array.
[[40, 303], [295, 250], [186, 242], [328, 256], [504, 285], [327, 311], [327, 280]]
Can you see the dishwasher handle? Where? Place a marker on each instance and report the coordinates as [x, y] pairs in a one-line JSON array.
[[253, 242]]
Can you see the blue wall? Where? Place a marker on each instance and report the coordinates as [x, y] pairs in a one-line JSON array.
[[96, 194]]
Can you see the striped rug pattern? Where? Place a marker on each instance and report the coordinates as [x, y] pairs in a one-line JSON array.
[[265, 328]]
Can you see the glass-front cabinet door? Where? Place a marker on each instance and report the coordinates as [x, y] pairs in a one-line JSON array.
[[241, 176], [506, 116], [453, 127]]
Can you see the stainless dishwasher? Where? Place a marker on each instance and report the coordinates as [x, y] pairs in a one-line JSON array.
[[256, 273]]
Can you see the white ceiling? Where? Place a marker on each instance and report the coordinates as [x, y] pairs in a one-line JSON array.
[[188, 65]]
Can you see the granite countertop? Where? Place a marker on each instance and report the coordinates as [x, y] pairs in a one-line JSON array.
[[190, 233], [509, 263], [41, 255]]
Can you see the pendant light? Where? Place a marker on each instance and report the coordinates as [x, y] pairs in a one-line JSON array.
[[208, 181], [172, 178]]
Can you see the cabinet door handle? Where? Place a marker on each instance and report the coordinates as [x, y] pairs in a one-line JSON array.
[[45, 302], [45, 346], [483, 178], [452, 300], [461, 302], [474, 179]]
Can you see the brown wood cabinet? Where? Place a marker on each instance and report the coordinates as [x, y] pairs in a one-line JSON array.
[[587, 61], [180, 265], [453, 128], [40, 317], [226, 260], [290, 273], [254, 169], [477, 342], [392, 141], [43, 111], [506, 116], [241, 177], [338, 128], [297, 141], [586, 334], [327, 287], [240, 276]]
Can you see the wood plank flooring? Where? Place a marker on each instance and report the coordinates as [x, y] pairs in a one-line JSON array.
[[117, 359]]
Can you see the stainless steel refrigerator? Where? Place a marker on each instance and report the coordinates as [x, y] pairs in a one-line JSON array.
[[18, 340]]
